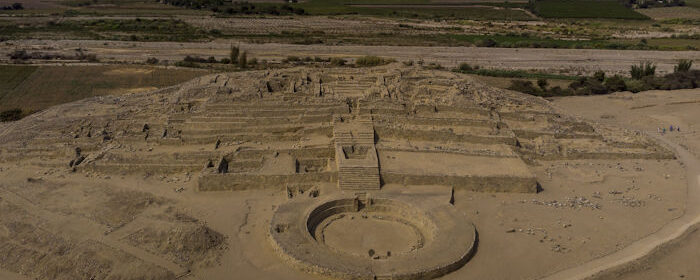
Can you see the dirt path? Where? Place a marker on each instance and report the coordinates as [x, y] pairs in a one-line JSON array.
[[671, 231], [570, 61]]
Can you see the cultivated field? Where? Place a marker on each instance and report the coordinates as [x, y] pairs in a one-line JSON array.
[[33, 88], [671, 13]]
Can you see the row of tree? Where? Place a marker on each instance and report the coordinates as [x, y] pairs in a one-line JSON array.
[[14, 6]]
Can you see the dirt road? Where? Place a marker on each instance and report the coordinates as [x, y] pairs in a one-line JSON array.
[[571, 61]]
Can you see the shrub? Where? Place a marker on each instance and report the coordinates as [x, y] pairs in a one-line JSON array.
[[599, 75], [465, 67], [292, 58], [615, 83], [211, 59], [14, 6], [370, 60], [679, 80], [434, 66], [10, 115], [523, 86], [636, 86], [253, 61], [152, 60], [225, 60], [243, 60], [19, 55], [233, 56], [557, 91], [593, 86], [683, 66], [652, 82], [488, 42], [542, 83], [408, 63], [185, 64], [642, 70], [587, 86], [337, 61]]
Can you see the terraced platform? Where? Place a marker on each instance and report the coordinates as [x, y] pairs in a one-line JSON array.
[[331, 139], [359, 129]]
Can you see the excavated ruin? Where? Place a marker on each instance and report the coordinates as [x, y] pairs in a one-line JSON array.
[[359, 128]]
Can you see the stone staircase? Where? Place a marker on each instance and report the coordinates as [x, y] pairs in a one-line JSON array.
[[359, 171], [358, 178]]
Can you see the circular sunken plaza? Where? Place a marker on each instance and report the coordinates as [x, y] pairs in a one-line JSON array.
[[373, 236]]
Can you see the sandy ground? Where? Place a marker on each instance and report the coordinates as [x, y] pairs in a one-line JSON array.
[[649, 111], [572, 61], [673, 261]]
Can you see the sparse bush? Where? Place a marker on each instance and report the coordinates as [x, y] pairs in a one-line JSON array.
[[292, 58], [19, 55], [642, 70], [636, 86], [680, 80], [683, 66], [593, 86], [193, 59], [465, 67], [336, 61], [370, 60], [233, 55], [615, 83], [14, 6], [542, 83], [652, 82], [211, 59], [523, 86], [253, 61], [185, 64], [243, 60], [435, 66], [556, 91], [10, 115], [152, 60], [587, 86], [225, 60], [408, 63], [599, 76], [488, 43]]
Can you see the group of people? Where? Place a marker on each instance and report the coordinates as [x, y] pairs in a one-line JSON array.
[[662, 130]]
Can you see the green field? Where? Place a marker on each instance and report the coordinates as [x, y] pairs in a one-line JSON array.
[[693, 3], [418, 9], [108, 29], [584, 9], [13, 76], [474, 13], [37, 88]]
